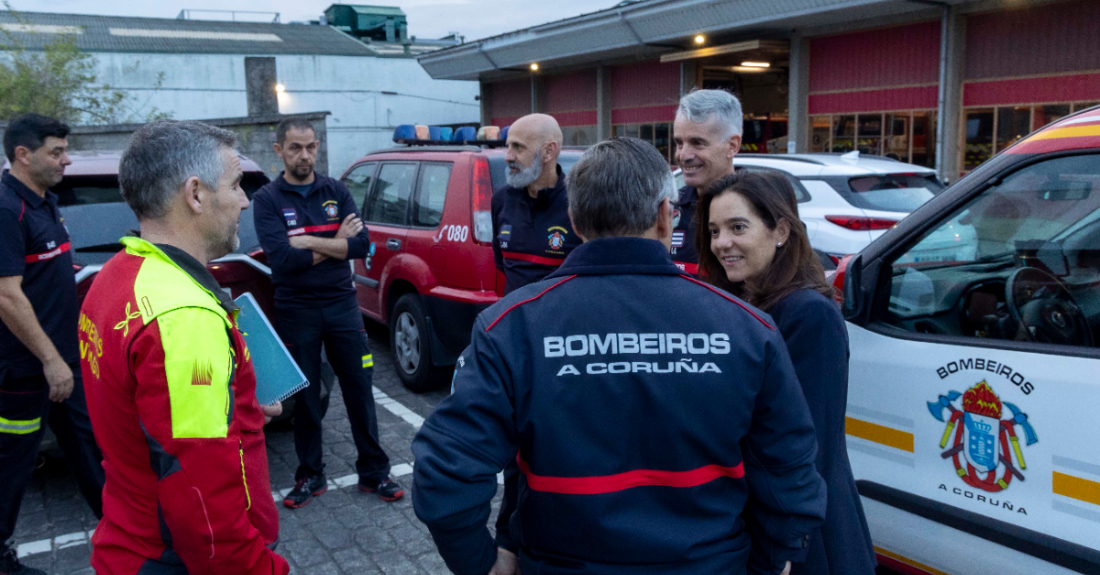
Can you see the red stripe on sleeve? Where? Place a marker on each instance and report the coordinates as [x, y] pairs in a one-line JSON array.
[[532, 258], [32, 258], [622, 481], [528, 300], [313, 229]]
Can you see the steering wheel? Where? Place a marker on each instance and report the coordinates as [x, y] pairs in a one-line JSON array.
[[1045, 309]]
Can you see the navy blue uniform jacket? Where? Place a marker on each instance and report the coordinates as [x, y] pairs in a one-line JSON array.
[[531, 236], [646, 409], [683, 234], [817, 339], [281, 213], [34, 243]]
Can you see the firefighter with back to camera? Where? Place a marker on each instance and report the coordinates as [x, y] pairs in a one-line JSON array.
[[647, 409]]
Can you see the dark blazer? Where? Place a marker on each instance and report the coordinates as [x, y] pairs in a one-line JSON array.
[[817, 340]]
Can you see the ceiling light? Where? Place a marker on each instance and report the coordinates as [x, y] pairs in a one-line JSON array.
[[756, 64], [534, 67], [700, 39], [280, 88]]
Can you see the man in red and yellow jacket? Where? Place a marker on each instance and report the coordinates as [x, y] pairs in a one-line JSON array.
[[170, 385]]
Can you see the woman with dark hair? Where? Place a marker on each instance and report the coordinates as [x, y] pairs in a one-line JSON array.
[[751, 243]]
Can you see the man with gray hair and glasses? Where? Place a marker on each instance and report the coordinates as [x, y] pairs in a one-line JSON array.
[[707, 134], [170, 385], [647, 408]]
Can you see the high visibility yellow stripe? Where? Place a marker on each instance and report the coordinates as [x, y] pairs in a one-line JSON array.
[[1068, 132], [1076, 488], [20, 426], [368, 361], [879, 434], [244, 478], [909, 561], [197, 365]]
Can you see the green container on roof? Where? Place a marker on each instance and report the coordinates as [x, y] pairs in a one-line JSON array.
[[375, 23]]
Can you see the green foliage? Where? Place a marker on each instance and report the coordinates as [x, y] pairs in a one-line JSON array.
[[60, 82]]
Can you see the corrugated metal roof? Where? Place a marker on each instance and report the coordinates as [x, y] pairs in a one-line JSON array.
[[123, 34], [648, 27]]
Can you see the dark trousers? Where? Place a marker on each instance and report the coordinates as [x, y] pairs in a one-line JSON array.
[[340, 328], [25, 409]]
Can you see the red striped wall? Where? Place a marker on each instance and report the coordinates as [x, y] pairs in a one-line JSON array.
[[645, 92], [508, 101], [896, 56], [1069, 88], [1042, 40], [1042, 54], [873, 100], [885, 69], [570, 98]]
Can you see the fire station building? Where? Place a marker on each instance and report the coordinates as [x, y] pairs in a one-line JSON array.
[[940, 83]]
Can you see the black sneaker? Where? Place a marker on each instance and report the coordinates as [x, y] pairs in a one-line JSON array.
[[10, 565], [305, 489], [388, 490]]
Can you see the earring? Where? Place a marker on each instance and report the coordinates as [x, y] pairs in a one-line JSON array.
[[779, 245]]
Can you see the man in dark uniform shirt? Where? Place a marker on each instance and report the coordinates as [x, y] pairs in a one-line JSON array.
[[532, 236], [309, 226], [39, 357], [707, 133], [531, 229]]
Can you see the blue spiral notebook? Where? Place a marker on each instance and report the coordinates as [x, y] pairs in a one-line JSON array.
[[277, 374]]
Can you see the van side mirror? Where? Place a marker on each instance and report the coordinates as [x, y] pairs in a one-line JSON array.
[[850, 290]]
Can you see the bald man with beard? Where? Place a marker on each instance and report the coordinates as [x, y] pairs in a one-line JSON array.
[[531, 229], [532, 235]]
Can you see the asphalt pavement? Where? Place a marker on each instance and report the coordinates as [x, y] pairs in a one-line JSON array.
[[341, 532]]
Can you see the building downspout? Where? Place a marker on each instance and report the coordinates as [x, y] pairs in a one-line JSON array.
[[941, 97]]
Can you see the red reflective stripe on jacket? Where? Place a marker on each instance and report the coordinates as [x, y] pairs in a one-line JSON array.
[[621, 481], [507, 311], [47, 255], [532, 258], [313, 229]]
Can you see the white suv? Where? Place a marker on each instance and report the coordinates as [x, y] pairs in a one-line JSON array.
[[848, 200]]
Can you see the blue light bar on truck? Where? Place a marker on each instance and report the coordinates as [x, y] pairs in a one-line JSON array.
[[465, 133], [404, 134], [421, 135]]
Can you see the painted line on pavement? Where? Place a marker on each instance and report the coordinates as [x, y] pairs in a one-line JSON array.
[[399, 470], [397, 409], [59, 542]]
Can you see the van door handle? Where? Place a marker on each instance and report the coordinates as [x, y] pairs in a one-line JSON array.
[[393, 244]]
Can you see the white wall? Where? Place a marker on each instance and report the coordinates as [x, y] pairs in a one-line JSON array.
[[363, 118], [196, 87]]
